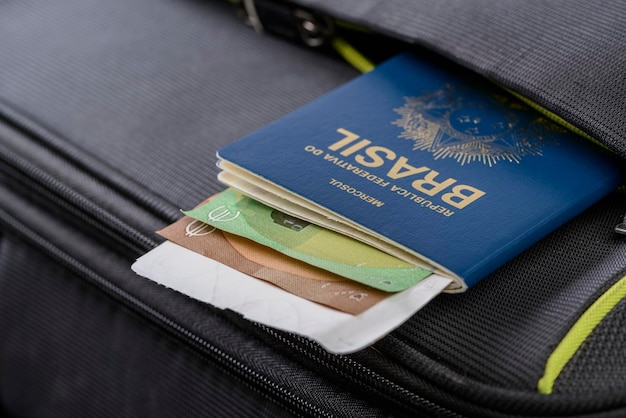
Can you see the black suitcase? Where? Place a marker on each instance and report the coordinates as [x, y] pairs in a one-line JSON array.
[[110, 115]]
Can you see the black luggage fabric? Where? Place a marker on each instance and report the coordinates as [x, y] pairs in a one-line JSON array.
[[110, 115]]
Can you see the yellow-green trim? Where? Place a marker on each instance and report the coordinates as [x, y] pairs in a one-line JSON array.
[[579, 332], [352, 56], [556, 118], [352, 26]]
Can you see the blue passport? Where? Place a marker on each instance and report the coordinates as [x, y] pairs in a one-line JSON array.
[[430, 159]]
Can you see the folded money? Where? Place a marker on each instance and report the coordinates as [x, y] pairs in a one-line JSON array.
[[238, 214], [263, 263]]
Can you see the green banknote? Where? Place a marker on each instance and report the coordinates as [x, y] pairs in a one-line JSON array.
[[233, 212]]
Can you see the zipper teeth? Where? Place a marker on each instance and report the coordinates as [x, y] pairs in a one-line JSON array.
[[77, 204], [129, 300], [343, 363], [28, 127]]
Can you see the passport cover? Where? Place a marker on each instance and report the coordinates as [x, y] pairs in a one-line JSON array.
[[434, 159]]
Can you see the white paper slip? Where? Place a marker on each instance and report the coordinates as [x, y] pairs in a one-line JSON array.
[[223, 287]]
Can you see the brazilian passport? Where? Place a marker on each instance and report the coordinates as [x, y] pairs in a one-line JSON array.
[[426, 161]]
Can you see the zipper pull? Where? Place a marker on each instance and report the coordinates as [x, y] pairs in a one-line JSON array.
[[283, 18]]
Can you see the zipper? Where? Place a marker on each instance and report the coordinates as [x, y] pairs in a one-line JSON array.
[[75, 204], [284, 19], [345, 367], [242, 372], [43, 184], [84, 163]]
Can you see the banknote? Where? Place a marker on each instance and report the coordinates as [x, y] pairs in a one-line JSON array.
[[211, 282], [264, 263], [232, 212]]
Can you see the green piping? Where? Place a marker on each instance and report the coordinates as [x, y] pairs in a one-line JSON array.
[[352, 56], [552, 116], [352, 26], [578, 333]]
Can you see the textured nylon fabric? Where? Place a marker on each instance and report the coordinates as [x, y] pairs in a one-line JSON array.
[[151, 88], [568, 56], [503, 330]]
